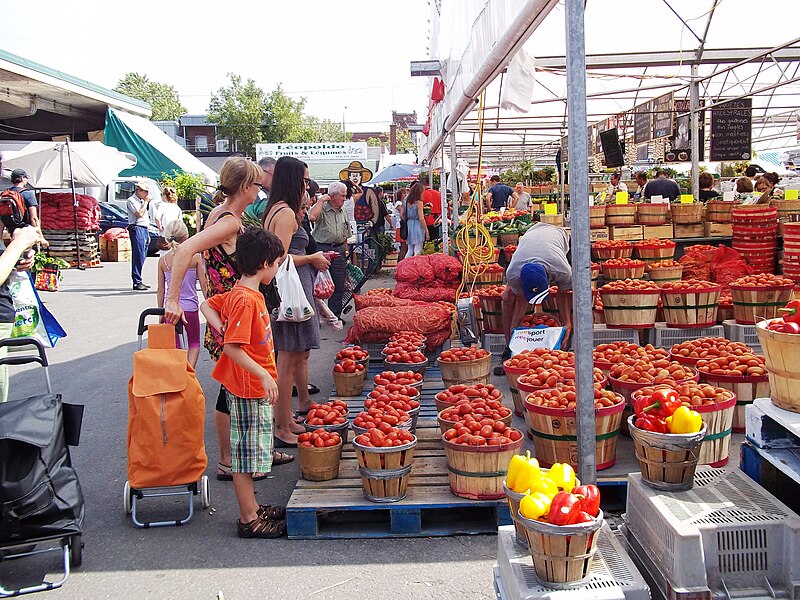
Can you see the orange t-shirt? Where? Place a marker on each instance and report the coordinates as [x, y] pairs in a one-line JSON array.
[[247, 320], [432, 198]]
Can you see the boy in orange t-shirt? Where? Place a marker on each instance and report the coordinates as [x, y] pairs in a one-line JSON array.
[[247, 371]]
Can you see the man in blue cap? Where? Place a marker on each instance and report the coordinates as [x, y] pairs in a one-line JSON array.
[[539, 262]]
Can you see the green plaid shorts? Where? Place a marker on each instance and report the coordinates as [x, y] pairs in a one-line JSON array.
[[251, 434]]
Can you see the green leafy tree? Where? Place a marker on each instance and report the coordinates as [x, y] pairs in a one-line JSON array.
[[374, 141], [283, 118], [321, 130], [404, 142], [240, 111], [163, 98], [187, 185]]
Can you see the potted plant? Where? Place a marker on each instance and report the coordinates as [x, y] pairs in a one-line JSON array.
[[386, 243], [47, 271]]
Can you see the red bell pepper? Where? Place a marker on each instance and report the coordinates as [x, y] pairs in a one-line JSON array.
[[791, 311], [590, 498], [650, 422], [584, 517], [661, 403], [564, 509], [791, 327]]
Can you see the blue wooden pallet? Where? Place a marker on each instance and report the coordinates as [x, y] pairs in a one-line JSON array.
[[770, 427]]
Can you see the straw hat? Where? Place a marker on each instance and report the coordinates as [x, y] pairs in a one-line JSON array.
[[356, 167]]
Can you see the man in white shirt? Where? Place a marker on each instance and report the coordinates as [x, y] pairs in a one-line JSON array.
[[138, 224], [523, 198], [615, 186]]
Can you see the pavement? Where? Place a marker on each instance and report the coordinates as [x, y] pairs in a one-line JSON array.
[[205, 558]]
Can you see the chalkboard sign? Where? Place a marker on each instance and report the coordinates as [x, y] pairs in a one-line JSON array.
[[565, 149], [662, 116], [682, 135], [731, 129], [600, 128], [642, 125], [612, 150]]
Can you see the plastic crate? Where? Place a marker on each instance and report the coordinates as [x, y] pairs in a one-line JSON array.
[[746, 334], [613, 574], [726, 537], [374, 349], [604, 335], [495, 343], [662, 336]]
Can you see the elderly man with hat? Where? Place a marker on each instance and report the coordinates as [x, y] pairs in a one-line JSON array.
[[539, 262], [138, 224]]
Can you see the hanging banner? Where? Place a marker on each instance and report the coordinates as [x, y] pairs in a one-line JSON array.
[[662, 116], [330, 151], [731, 130], [642, 124]]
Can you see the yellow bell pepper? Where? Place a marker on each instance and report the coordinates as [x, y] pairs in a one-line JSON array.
[[534, 506], [685, 420], [527, 475], [515, 467], [545, 486], [563, 475]]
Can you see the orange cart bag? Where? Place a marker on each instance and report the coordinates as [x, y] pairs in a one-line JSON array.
[[166, 410]]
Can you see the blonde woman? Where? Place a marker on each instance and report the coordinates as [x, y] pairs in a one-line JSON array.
[[175, 234], [167, 212]]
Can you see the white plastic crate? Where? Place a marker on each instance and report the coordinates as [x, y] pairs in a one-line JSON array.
[[495, 343], [604, 335], [662, 336], [726, 537], [374, 349], [613, 574], [742, 333]]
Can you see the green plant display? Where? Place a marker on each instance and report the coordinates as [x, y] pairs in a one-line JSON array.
[[42, 260], [187, 185]]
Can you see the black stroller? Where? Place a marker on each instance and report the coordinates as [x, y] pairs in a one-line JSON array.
[[40, 498]]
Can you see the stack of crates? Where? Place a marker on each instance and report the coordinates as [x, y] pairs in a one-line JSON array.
[[662, 336], [724, 538]]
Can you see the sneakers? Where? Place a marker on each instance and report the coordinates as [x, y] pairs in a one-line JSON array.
[[140, 287]]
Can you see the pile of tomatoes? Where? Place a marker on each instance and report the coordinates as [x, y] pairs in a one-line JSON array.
[[539, 320], [725, 300], [546, 378], [745, 365], [411, 337], [477, 391], [630, 285], [408, 358], [353, 353], [398, 377], [654, 243], [319, 438], [646, 371], [667, 263], [404, 346], [617, 244], [470, 431], [478, 408], [708, 347], [381, 418], [564, 397], [691, 394], [623, 263], [493, 290], [463, 354], [689, 285], [539, 357], [401, 397], [609, 354], [330, 413], [375, 438], [348, 366], [762, 280]]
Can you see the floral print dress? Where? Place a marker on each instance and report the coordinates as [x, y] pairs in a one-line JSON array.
[[222, 276]]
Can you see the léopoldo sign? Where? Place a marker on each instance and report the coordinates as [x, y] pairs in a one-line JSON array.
[[331, 151]]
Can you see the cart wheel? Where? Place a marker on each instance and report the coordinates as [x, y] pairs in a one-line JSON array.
[[205, 492], [75, 550], [126, 500]]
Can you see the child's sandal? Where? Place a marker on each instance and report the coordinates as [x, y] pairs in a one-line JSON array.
[[273, 513], [261, 528]]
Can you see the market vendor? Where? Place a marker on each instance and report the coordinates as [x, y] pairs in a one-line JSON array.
[[663, 186], [539, 262], [641, 181], [615, 186], [498, 195]]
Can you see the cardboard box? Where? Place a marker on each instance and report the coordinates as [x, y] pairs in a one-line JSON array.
[[552, 219], [632, 232], [103, 249], [663, 232], [118, 250], [718, 229], [696, 230], [595, 235]]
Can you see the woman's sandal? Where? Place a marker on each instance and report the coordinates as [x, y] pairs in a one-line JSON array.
[[281, 458], [261, 527], [272, 513], [300, 416], [224, 472]]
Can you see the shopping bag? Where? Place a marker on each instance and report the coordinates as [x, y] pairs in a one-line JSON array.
[[529, 338], [295, 307], [31, 318], [323, 285]]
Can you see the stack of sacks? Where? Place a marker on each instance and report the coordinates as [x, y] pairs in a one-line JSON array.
[[377, 323], [430, 278], [116, 233], [57, 211]]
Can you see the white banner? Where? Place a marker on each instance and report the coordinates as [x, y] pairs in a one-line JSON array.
[[523, 338], [327, 151]]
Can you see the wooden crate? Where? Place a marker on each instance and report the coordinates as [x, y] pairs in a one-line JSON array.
[[118, 250], [663, 232], [595, 235], [634, 232], [718, 229], [695, 230]]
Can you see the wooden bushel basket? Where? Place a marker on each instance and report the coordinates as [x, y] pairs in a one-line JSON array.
[[746, 390], [385, 471], [600, 253], [667, 460], [348, 384], [514, 498], [630, 309], [512, 374], [691, 308], [635, 271], [652, 214], [620, 214], [492, 313], [444, 424], [320, 464], [751, 304], [782, 354], [477, 472], [719, 211], [419, 367], [646, 252], [509, 238], [554, 432], [597, 216], [663, 274], [687, 214], [562, 554], [343, 429], [468, 372]]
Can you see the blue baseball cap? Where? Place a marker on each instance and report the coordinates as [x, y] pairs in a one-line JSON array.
[[533, 281]]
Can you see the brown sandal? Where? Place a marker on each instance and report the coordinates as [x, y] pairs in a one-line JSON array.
[[272, 513], [261, 527]]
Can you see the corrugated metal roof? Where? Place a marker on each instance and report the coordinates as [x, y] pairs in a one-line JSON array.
[[194, 120]]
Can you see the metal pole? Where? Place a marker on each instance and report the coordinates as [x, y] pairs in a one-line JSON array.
[[583, 332], [456, 185], [694, 106], [445, 212], [74, 208]]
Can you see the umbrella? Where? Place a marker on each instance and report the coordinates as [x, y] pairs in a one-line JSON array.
[[396, 173], [65, 164]]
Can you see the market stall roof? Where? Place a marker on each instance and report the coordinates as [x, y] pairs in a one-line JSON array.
[[155, 151]]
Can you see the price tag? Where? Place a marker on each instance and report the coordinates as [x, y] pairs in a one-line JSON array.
[[622, 198], [687, 199], [591, 200], [791, 194], [728, 196], [659, 200], [551, 208]]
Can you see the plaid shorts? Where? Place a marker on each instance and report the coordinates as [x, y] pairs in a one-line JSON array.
[[251, 434]]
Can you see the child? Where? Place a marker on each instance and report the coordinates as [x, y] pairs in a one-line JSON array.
[[175, 233], [247, 371]]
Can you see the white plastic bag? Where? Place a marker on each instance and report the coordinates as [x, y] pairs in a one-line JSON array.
[[295, 307], [323, 285], [518, 84]]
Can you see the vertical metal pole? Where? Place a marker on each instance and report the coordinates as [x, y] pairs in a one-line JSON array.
[[582, 331], [74, 209], [445, 211], [456, 185], [694, 106]]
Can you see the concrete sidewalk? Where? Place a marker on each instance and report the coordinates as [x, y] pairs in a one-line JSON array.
[[91, 366]]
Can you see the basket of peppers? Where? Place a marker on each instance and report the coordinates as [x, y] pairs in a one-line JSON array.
[[666, 436], [558, 517]]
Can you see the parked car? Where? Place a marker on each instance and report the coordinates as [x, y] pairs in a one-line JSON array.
[[114, 216]]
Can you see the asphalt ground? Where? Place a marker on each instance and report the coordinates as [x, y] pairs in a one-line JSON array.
[[92, 366]]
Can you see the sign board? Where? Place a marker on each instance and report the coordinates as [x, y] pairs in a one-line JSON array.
[[682, 133], [687, 199], [662, 116], [659, 200], [642, 124], [599, 128], [642, 152], [590, 138], [536, 337], [550, 208], [621, 198], [321, 151], [790, 195], [565, 149], [731, 130]]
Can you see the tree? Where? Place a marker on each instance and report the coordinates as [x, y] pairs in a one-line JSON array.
[[283, 118], [321, 130], [240, 112], [404, 142], [374, 141], [163, 98]]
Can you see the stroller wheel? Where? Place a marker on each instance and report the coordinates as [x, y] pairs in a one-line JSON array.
[[126, 500], [75, 550], [205, 492]]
